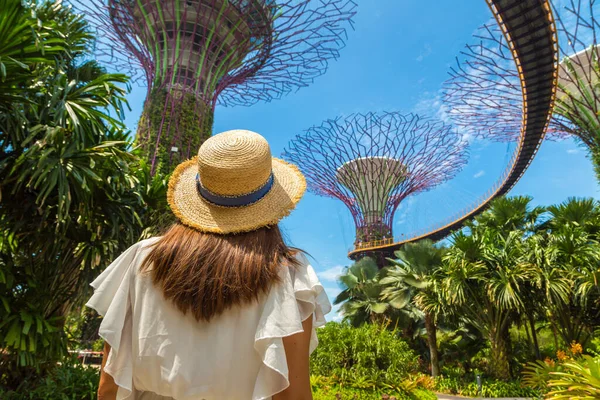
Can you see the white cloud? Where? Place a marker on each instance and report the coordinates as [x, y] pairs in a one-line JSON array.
[[425, 52], [572, 151], [479, 174], [335, 314], [331, 274], [337, 317]]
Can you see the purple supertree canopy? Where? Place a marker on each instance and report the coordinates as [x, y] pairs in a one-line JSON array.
[[484, 97], [195, 54], [372, 162]]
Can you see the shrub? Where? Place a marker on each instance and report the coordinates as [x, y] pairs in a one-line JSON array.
[[490, 388], [70, 381], [571, 375], [367, 357], [336, 392]]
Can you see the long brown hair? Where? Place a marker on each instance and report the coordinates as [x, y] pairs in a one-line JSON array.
[[206, 274]]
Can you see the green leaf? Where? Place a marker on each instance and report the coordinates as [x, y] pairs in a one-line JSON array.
[[28, 320], [379, 308], [13, 336]]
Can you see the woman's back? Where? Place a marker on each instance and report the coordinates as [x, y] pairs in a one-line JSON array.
[[158, 352], [219, 307]]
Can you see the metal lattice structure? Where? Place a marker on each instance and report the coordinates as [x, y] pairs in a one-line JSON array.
[[577, 109], [484, 96], [529, 28], [195, 54], [372, 162]]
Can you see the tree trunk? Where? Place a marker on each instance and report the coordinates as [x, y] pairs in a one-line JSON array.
[[555, 335], [432, 341], [536, 346], [499, 365]]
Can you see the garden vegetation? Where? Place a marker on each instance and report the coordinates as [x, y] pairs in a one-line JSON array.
[[514, 299]]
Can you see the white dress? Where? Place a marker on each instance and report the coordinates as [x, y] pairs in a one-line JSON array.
[[159, 353]]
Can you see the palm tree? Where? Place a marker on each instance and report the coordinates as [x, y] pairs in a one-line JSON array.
[[566, 254], [507, 214], [408, 283], [361, 293], [483, 277]]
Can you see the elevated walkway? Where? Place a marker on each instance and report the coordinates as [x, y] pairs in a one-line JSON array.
[[529, 28]]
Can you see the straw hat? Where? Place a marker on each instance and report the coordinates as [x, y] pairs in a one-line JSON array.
[[234, 185]]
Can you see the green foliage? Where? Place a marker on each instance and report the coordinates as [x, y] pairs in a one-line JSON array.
[[489, 388], [172, 119], [408, 287], [72, 195], [579, 379], [565, 255], [347, 393], [71, 381], [517, 267], [409, 274], [361, 293], [482, 276], [367, 357], [571, 376]]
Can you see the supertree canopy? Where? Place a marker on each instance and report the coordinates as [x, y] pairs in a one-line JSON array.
[[577, 109], [484, 97], [196, 54], [373, 162]]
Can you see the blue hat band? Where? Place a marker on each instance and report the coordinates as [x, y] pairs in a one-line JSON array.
[[234, 201]]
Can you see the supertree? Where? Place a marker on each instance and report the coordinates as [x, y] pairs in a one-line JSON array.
[[484, 97], [372, 162], [195, 54]]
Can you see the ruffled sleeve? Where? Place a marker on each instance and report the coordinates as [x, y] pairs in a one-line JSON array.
[[299, 296], [112, 300]]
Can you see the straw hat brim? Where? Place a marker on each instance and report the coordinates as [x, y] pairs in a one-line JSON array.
[[194, 211]]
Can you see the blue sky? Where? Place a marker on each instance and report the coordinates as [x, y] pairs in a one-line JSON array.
[[396, 60]]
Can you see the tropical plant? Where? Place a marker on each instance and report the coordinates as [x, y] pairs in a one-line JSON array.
[[460, 344], [70, 191], [565, 254], [368, 357], [70, 380], [407, 283], [572, 375], [483, 276], [361, 293], [579, 379], [489, 388]]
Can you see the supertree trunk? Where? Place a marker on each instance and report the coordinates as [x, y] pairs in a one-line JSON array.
[[373, 162], [172, 128], [196, 54]]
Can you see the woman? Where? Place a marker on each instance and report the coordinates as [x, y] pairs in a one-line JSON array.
[[219, 307]]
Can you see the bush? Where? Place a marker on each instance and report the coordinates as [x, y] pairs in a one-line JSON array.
[[336, 392], [70, 381], [572, 374], [369, 362], [490, 388], [367, 357]]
